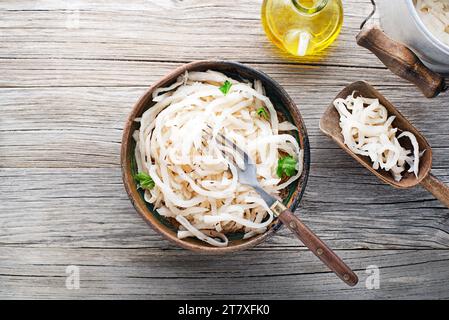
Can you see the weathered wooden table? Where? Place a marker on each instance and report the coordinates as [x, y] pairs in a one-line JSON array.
[[70, 73]]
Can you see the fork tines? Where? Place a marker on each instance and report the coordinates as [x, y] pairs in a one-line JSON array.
[[228, 146]]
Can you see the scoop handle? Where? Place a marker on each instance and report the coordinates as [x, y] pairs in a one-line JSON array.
[[401, 60], [437, 188], [315, 244]]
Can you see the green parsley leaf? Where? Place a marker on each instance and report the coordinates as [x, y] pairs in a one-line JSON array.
[[226, 87], [262, 112], [144, 181], [286, 166]]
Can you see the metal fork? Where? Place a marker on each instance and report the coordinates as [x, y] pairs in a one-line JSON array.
[[248, 176]]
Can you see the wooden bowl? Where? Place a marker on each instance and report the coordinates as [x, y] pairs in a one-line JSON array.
[[283, 104]]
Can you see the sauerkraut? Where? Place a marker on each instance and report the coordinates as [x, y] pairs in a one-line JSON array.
[[435, 15], [368, 131], [193, 182]]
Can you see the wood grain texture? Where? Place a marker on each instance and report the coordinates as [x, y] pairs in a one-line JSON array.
[[439, 189], [91, 209], [65, 92], [167, 30], [401, 61], [328, 256], [147, 273]]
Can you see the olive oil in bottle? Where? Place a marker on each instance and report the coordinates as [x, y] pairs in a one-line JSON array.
[[302, 27]]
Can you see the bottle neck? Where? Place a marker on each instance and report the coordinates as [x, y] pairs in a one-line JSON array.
[[310, 6]]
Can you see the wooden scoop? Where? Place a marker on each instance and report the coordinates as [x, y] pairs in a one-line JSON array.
[[330, 125]]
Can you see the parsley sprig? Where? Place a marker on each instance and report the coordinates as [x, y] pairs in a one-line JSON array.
[[286, 167], [226, 87], [144, 181], [263, 113]]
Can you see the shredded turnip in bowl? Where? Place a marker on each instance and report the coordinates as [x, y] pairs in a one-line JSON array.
[[435, 15], [191, 181], [367, 130]]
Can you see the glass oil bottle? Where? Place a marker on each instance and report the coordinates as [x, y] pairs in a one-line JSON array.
[[302, 27]]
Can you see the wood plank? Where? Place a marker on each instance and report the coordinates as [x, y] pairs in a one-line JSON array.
[[277, 274], [89, 208], [160, 31], [82, 126], [105, 73]]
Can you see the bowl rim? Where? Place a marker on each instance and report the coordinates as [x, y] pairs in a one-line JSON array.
[[423, 27], [128, 181]]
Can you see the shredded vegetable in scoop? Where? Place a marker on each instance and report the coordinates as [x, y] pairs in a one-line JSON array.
[[193, 182], [367, 130]]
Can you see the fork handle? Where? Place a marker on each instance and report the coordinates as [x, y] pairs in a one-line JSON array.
[[315, 244]]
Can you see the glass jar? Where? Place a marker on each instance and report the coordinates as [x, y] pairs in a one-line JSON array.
[[302, 27]]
